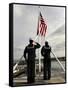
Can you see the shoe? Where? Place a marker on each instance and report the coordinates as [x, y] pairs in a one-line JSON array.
[[45, 78], [49, 78]]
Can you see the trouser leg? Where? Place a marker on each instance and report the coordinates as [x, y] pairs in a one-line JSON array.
[[49, 70], [31, 72], [45, 71], [28, 75]]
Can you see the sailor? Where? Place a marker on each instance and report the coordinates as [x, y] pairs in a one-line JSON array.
[[29, 55], [45, 51]]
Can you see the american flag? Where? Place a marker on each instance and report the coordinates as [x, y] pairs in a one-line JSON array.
[[42, 26]]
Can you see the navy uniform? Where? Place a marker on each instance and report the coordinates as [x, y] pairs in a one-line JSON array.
[[45, 51], [29, 55]]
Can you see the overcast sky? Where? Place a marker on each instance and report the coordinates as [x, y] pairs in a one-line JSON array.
[[26, 22]]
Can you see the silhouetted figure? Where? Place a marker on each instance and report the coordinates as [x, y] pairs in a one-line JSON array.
[[45, 51], [29, 55]]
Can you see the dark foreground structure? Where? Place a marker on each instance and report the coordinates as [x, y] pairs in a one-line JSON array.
[[58, 76]]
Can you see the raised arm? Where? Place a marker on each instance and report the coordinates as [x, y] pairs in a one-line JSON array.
[[37, 45]]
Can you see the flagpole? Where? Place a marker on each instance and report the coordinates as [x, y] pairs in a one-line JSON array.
[[39, 40]]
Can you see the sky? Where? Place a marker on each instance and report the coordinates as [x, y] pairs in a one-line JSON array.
[[25, 21]]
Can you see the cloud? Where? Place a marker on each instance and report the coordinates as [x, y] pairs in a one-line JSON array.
[[59, 31]]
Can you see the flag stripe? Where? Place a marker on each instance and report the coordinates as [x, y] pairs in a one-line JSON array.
[[42, 26]]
